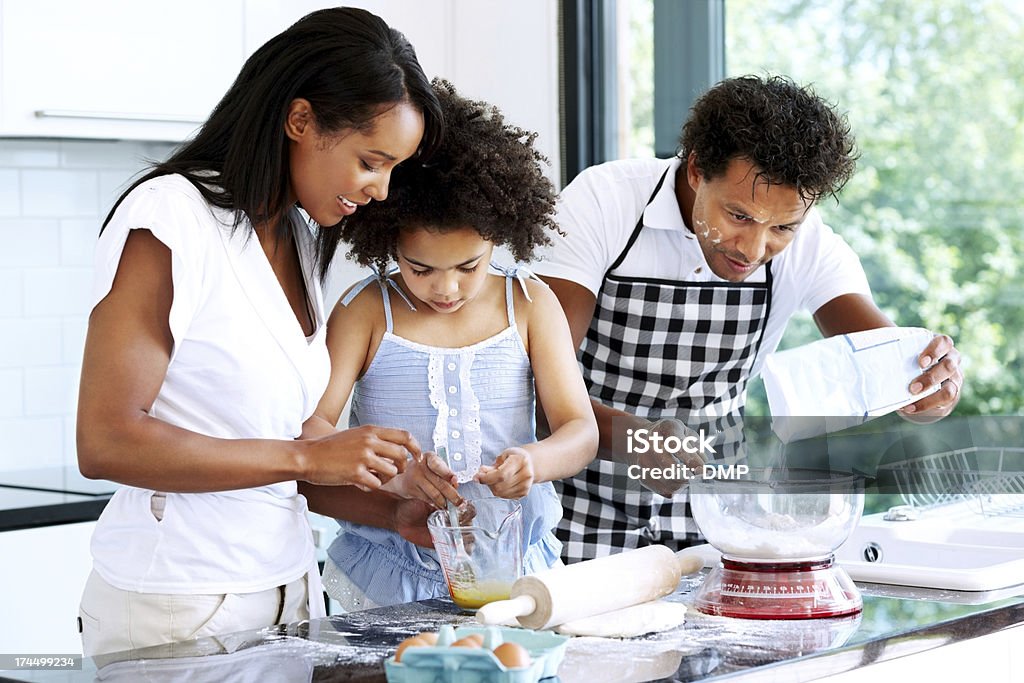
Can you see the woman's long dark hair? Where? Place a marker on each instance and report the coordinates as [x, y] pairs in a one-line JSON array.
[[347, 63]]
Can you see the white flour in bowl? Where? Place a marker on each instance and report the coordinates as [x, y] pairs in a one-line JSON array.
[[777, 537]]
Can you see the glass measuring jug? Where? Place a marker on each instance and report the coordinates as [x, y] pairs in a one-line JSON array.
[[481, 555]]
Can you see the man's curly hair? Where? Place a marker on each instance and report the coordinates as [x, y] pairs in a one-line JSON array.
[[485, 175], [789, 133]]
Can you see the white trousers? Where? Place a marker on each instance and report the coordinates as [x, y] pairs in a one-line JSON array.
[[113, 620]]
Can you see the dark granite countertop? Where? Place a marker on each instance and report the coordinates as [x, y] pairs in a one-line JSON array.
[[54, 495], [351, 647], [57, 479]]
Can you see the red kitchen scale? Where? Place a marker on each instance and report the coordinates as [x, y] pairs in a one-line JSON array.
[[777, 532], [769, 589]]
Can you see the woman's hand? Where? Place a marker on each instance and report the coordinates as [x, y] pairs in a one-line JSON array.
[[429, 479], [366, 457], [512, 474]]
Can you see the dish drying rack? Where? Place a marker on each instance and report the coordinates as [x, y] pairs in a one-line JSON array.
[[981, 476]]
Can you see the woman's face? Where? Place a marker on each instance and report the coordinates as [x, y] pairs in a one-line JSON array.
[[444, 270], [333, 175]]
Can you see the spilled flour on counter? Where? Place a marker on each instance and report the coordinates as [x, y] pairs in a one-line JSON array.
[[654, 657], [704, 645], [327, 652], [361, 641]]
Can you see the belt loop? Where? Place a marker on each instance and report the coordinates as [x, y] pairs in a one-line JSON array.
[[281, 590]]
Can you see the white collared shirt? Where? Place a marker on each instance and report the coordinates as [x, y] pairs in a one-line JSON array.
[[241, 367], [599, 209]]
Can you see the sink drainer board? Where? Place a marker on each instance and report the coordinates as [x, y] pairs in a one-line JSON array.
[[984, 476], [962, 527]]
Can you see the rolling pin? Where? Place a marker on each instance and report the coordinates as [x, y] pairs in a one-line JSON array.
[[580, 590]]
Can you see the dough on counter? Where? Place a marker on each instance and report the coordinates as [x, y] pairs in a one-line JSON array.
[[647, 617]]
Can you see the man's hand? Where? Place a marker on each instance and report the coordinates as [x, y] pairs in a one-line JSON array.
[[665, 428], [409, 519], [941, 363]]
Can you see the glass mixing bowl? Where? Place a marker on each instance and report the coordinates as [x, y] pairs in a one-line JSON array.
[[782, 514], [481, 555]]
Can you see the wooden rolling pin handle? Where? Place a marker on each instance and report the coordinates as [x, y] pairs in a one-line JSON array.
[[688, 563], [502, 611]]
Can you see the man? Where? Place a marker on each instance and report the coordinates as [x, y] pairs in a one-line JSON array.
[[679, 276]]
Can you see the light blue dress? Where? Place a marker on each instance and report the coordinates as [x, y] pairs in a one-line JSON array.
[[477, 400]]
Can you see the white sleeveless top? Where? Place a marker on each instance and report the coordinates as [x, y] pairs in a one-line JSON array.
[[241, 367]]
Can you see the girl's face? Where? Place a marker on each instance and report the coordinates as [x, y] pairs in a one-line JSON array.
[[333, 175], [444, 270]]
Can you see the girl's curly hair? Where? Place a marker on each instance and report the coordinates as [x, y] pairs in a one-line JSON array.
[[485, 175], [789, 133]]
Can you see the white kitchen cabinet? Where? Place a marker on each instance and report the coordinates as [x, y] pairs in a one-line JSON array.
[[495, 50], [426, 23], [115, 69], [123, 69], [42, 574]]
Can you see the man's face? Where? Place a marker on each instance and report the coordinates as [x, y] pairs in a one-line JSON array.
[[740, 220]]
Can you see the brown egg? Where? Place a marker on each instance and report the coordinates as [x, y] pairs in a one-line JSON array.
[[414, 641], [512, 655], [428, 636], [472, 640]]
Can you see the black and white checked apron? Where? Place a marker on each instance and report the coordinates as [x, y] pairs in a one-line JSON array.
[[660, 348]]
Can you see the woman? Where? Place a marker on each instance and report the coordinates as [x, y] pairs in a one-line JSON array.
[[205, 351]]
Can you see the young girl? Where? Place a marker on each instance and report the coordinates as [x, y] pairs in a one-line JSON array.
[[455, 354]]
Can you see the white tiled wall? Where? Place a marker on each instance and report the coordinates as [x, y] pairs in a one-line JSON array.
[[53, 196]]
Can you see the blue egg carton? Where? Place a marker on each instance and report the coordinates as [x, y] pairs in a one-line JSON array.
[[444, 664]]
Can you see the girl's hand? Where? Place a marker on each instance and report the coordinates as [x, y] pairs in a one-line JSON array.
[[430, 480], [366, 457], [512, 474]]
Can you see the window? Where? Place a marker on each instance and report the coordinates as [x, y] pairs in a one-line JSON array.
[[935, 211], [631, 70]]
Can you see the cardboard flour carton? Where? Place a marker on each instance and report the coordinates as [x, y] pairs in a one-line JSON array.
[[842, 381]]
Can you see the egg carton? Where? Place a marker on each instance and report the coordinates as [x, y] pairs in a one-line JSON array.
[[444, 664]]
